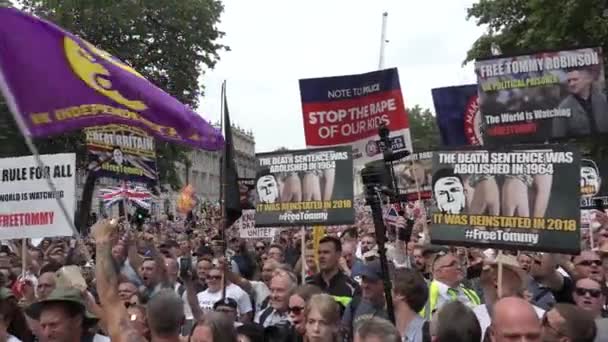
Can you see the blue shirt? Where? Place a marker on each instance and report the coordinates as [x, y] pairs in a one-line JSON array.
[[414, 333]]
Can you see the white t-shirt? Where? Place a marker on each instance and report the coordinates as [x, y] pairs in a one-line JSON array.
[[206, 299], [12, 338], [260, 293], [483, 316]]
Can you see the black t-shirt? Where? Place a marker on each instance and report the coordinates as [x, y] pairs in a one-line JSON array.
[[564, 295], [340, 285]]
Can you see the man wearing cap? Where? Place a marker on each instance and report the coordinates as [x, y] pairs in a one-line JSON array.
[[228, 307], [447, 285], [371, 303], [63, 317], [514, 283]]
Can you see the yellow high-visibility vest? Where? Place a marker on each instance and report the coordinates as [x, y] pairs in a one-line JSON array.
[[431, 303]]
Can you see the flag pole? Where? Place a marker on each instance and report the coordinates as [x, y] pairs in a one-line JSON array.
[[383, 41], [14, 108], [223, 193]]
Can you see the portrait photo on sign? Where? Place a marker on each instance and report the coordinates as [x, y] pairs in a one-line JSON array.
[[526, 198], [543, 96], [593, 186], [312, 186], [414, 174]]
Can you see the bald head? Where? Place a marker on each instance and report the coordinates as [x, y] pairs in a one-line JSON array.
[[515, 319]]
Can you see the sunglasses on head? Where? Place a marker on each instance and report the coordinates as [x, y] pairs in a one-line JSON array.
[[581, 291], [590, 262], [296, 310]]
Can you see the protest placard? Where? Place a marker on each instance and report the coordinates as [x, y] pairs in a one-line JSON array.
[[305, 187], [593, 188], [28, 208], [348, 110], [542, 96], [458, 115], [247, 229], [413, 173], [121, 152], [520, 199], [247, 193]]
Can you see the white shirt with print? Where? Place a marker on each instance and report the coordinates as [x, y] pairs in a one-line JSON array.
[[206, 299]]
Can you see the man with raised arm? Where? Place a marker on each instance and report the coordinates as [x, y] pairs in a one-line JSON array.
[[119, 326]]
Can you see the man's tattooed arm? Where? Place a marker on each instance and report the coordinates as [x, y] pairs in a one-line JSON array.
[[119, 327]]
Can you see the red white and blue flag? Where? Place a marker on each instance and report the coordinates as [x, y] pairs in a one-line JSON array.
[[139, 195]]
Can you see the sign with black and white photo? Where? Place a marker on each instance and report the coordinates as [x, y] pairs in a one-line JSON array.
[[414, 174], [593, 188], [305, 187], [542, 96], [509, 198], [247, 193], [122, 152]]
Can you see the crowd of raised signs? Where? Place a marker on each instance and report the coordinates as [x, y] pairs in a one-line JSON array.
[[172, 280]]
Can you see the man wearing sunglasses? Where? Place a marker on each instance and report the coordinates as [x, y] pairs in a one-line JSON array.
[[585, 265], [568, 323], [447, 285]]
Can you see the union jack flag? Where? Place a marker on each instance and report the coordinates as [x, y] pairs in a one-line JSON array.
[[139, 195]]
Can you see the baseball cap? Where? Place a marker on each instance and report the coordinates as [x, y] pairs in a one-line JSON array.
[[371, 270], [229, 302]]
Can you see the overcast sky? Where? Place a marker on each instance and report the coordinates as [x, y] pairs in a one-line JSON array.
[[275, 43]]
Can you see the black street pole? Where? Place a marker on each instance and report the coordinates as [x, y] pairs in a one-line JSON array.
[[372, 197]]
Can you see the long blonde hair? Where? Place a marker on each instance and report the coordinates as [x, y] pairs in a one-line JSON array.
[[329, 309]]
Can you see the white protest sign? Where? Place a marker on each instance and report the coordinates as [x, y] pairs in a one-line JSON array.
[[28, 208], [248, 230]]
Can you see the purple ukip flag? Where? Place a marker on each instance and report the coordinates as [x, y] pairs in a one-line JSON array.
[[55, 82]]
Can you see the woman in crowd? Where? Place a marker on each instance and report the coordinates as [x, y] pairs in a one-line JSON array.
[[297, 305], [322, 316], [13, 326], [213, 327]]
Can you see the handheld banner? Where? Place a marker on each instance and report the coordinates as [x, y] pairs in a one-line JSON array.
[[348, 110], [458, 115], [542, 96], [56, 82], [594, 183], [305, 188], [247, 229], [247, 193], [122, 152], [413, 173], [519, 199], [28, 208]]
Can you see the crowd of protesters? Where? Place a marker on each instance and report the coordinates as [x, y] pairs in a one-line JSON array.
[[172, 280]]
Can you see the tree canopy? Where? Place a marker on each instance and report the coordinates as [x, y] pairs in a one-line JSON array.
[[524, 26], [170, 42], [423, 129]]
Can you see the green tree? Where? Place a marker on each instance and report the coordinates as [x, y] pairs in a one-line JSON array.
[[523, 26], [423, 129], [170, 42]]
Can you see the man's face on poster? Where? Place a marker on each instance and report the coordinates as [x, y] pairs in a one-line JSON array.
[[579, 82], [449, 194], [590, 181], [268, 189], [117, 156]]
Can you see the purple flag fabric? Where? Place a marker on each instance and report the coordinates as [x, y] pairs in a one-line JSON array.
[[58, 82]]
